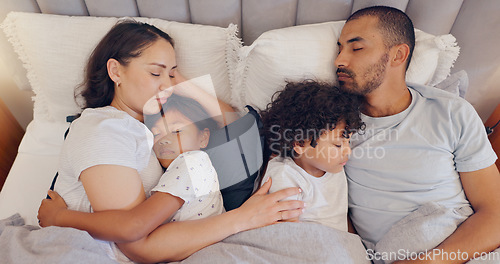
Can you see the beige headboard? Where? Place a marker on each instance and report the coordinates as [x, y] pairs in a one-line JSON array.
[[473, 22]]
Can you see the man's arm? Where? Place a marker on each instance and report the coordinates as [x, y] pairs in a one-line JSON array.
[[481, 231]]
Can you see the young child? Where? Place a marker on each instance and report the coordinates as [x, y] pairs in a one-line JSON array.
[[308, 125], [180, 131]]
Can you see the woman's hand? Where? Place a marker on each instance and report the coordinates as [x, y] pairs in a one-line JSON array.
[[263, 209], [50, 209]]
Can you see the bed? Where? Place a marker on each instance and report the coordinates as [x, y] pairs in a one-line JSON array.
[[247, 47]]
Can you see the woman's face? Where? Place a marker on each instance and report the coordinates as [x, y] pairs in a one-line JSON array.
[[145, 80], [175, 134]]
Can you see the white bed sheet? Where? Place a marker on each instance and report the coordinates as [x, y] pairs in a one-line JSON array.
[[33, 170], [26, 185]]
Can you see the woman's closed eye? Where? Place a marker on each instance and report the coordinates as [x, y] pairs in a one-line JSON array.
[[171, 73], [158, 75]]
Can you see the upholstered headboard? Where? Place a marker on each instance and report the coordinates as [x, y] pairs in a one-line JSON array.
[[474, 23]]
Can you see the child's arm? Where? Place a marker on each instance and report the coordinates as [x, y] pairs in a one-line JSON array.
[[112, 225]]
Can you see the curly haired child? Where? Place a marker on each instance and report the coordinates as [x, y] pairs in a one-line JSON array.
[[308, 126]]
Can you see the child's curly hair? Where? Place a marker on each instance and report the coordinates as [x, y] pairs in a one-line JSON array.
[[304, 110]]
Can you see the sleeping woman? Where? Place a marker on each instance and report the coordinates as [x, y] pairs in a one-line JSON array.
[[107, 162]]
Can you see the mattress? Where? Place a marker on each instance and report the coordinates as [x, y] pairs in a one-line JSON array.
[[22, 193], [33, 170]]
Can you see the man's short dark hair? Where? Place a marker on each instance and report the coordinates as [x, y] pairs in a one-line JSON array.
[[396, 27]]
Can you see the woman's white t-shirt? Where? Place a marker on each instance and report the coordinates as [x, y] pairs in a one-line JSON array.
[[105, 136]]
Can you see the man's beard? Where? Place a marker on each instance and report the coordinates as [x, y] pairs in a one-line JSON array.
[[374, 76]]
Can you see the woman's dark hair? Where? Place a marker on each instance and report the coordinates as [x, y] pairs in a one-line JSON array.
[[127, 39], [304, 110], [186, 106]]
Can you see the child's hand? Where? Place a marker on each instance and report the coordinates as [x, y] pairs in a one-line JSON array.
[[50, 209]]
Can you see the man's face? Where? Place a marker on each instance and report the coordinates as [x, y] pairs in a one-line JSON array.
[[362, 59]]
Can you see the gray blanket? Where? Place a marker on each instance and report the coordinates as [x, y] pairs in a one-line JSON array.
[[423, 230], [279, 243], [21, 243], [285, 243]]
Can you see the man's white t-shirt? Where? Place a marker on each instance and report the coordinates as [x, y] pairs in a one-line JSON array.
[[325, 196], [403, 161]]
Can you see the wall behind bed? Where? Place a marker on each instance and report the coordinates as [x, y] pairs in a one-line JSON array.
[[473, 22]]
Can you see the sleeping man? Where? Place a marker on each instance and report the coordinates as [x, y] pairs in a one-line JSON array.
[[422, 149]]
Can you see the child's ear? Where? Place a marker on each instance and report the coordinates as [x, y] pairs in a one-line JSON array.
[[205, 136], [298, 148]]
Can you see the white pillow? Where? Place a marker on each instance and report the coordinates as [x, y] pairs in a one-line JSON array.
[[432, 59], [309, 51], [457, 83], [54, 50]]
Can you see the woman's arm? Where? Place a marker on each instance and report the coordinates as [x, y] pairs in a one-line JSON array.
[[111, 187], [177, 240], [112, 225]]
